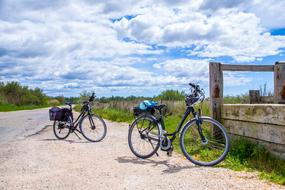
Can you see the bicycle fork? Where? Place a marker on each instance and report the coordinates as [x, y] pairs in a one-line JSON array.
[[91, 122], [199, 128]]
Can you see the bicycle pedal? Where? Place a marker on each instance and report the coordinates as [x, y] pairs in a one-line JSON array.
[[169, 153]]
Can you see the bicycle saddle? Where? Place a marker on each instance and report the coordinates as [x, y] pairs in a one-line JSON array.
[[68, 103], [160, 107]]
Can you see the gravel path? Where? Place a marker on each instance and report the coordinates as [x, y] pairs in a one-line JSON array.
[[32, 160]]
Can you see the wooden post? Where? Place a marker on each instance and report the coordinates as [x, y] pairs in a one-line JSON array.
[[254, 96], [216, 89], [279, 83]]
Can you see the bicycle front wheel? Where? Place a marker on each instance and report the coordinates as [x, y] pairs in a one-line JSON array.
[[207, 147], [93, 128], [143, 137]]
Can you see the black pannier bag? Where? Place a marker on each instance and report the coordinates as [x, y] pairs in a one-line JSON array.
[[137, 111], [59, 114], [55, 114]]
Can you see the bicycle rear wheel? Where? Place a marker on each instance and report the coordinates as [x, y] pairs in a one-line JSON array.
[[210, 151], [144, 137], [61, 129], [93, 128]]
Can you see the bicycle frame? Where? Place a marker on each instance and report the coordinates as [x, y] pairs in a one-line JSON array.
[[189, 110], [82, 114]]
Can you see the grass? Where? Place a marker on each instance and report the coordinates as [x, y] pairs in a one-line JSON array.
[[243, 155], [12, 107], [115, 115]]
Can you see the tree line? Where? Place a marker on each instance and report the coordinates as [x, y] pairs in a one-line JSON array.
[[15, 93]]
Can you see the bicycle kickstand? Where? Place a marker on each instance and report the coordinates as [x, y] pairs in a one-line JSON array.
[[169, 152], [77, 135]]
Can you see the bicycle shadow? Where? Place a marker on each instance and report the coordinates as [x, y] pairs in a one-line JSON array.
[[170, 168], [66, 140]]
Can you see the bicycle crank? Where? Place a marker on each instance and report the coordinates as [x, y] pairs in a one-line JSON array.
[[165, 144]]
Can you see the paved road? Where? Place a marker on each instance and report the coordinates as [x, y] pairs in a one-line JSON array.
[[16, 125], [41, 162]]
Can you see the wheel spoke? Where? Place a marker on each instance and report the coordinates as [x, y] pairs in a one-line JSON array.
[[208, 152], [93, 128], [60, 131], [143, 141]]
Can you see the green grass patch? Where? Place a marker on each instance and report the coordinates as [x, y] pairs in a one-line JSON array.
[[115, 115], [111, 114], [12, 107], [243, 154]]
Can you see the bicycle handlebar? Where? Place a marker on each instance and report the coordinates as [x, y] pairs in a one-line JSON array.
[[197, 91], [193, 85], [92, 97], [196, 87]]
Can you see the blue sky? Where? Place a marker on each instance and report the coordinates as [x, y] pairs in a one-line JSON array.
[[137, 47]]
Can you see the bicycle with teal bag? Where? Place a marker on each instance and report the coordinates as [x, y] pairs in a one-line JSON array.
[[203, 140]]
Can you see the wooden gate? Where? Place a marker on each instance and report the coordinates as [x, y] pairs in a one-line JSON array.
[[262, 123]]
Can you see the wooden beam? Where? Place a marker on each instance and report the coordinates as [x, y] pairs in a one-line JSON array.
[[254, 96], [257, 113], [216, 89], [265, 132], [279, 83], [267, 68]]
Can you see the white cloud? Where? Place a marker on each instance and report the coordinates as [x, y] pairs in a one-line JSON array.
[[75, 45], [187, 68], [190, 70], [227, 32], [270, 12]]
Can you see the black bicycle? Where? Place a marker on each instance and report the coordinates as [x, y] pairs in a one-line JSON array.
[[91, 126], [203, 140]]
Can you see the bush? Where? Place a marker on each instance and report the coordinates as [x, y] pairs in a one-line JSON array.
[[171, 95], [14, 93]]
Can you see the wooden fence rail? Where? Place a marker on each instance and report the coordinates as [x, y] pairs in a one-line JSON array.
[[216, 82], [265, 123]]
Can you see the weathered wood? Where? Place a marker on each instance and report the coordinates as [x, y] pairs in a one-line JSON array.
[[216, 89], [258, 113], [267, 99], [265, 132], [258, 68], [254, 96], [279, 83]]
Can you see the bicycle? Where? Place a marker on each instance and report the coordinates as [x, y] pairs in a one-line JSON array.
[[91, 126], [203, 140]]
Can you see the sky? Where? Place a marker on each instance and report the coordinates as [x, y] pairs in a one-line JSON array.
[[137, 48]]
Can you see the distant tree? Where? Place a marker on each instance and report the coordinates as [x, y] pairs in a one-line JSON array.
[[85, 95], [61, 99], [171, 95], [15, 93]]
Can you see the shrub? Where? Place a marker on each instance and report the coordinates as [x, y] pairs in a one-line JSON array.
[[14, 93], [171, 95]]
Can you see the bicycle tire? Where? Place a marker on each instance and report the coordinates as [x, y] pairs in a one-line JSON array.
[[212, 145], [57, 129], [155, 136], [95, 124]]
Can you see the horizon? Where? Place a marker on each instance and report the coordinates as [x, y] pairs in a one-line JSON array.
[[137, 48]]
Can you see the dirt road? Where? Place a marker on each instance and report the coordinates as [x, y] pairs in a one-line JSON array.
[[31, 158]]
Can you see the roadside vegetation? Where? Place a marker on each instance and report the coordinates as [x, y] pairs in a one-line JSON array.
[[14, 96], [243, 156]]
